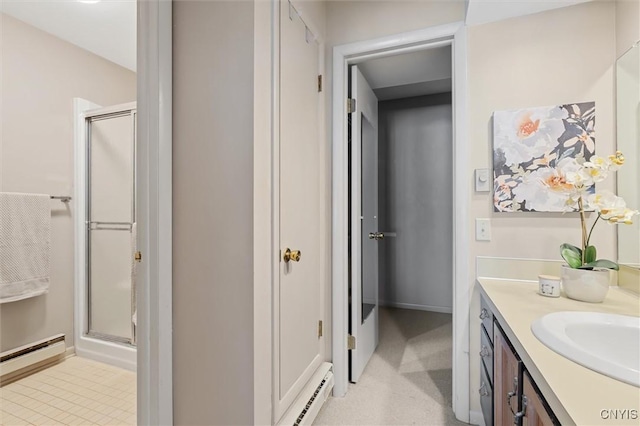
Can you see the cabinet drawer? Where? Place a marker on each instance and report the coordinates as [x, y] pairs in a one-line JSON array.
[[486, 396], [487, 318], [486, 352]]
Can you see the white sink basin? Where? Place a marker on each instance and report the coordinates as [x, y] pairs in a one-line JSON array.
[[606, 343]]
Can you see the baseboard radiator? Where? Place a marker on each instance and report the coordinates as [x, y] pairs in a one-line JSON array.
[[31, 355], [305, 409]]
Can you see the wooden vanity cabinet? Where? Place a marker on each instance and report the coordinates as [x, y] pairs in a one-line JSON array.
[[534, 408], [508, 395], [507, 380]]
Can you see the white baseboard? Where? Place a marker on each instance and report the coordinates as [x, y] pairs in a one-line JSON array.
[[35, 364], [23, 362], [476, 418], [440, 309], [312, 389], [107, 352]]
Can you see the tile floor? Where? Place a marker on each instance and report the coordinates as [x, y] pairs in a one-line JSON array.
[[77, 391]]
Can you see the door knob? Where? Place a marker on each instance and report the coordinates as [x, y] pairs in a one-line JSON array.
[[292, 255], [376, 236]]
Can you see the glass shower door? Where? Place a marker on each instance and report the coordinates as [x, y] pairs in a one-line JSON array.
[[110, 226]]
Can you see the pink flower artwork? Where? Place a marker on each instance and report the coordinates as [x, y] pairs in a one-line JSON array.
[[529, 145]]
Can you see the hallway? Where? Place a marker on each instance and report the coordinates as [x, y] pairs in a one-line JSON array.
[[407, 381]]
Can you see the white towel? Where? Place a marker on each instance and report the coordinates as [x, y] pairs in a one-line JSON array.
[[25, 240]]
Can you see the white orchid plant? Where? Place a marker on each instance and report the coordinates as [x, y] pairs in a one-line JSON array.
[[576, 178]]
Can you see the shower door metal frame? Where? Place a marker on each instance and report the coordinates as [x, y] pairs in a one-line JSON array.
[[123, 110]]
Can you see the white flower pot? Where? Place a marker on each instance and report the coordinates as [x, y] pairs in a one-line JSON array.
[[585, 285]]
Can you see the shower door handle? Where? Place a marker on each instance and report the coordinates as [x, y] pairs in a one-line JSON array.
[[109, 226]]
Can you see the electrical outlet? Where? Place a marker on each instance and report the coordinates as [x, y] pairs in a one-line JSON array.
[[483, 229]]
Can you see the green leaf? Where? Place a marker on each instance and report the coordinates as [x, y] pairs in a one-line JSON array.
[[571, 257], [601, 263], [573, 248], [590, 254]]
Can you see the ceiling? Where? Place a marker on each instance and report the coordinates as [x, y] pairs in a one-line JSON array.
[[484, 11], [106, 28], [418, 73]]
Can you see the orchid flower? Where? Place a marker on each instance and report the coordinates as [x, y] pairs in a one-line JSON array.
[[577, 178]]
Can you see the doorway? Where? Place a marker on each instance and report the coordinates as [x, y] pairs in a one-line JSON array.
[[358, 53], [401, 163], [76, 66]]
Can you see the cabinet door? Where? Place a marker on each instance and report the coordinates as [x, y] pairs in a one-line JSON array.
[[535, 413], [507, 376]]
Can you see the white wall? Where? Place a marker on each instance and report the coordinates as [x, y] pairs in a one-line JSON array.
[[349, 21], [627, 25], [415, 187], [536, 60], [41, 75], [222, 209]]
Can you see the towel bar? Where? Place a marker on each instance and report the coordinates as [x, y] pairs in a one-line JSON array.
[[63, 198]]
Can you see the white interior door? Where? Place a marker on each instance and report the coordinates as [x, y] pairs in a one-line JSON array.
[[365, 234], [298, 307]]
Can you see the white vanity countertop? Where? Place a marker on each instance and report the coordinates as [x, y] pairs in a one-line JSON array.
[[576, 394]]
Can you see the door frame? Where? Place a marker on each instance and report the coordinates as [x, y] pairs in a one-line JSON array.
[[154, 203], [153, 354], [455, 35]]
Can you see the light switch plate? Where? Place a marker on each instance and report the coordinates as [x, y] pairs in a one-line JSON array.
[[482, 180], [483, 229]]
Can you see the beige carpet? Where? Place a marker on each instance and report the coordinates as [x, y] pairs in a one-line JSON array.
[[407, 380]]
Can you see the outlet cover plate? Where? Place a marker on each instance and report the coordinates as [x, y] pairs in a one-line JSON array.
[[483, 229]]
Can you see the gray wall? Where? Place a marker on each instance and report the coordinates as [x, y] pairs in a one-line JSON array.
[[415, 196], [213, 212]]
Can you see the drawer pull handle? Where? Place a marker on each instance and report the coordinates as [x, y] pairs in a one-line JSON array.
[[484, 313], [484, 352], [512, 393], [520, 414]]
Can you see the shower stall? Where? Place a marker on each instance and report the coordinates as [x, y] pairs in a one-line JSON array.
[[106, 233]]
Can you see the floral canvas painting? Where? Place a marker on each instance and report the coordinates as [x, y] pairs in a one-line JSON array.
[[529, 146]]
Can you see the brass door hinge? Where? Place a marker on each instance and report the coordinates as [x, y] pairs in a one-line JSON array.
[[351, 342], [351, 105], [320, 83], [138, 256], [320, 328]]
